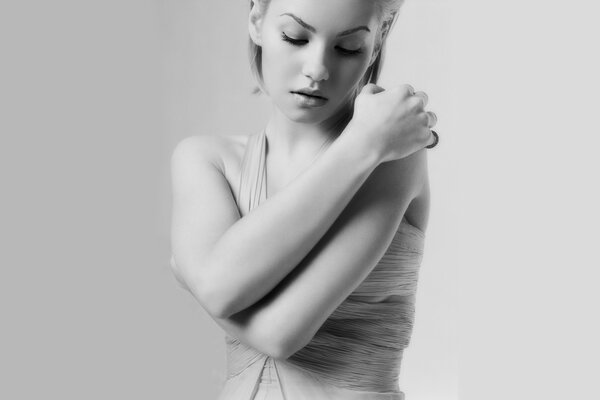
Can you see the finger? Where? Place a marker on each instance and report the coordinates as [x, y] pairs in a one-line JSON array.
[[371, 89], [423, 96], [433, 141], [432, 119], [407, 90]]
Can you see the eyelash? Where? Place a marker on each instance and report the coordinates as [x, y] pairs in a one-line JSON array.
[[300, 42]]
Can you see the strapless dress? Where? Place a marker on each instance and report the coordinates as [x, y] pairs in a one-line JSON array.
[[357, 352]]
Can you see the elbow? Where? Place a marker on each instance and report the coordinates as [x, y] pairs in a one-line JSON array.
[[216, 295], [269, 334], [286, 348], [276, 348], [286, 343], [284, 336], [221, 300], [217, 309], [214, 303], [215, 300], [212, 298], [282, 352]]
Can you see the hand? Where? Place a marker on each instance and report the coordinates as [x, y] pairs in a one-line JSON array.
[[394, 121]]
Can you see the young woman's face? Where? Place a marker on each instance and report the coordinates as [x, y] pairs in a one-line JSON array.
[[316, 45]]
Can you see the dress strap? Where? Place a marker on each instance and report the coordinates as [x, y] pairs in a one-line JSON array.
[[281, 385], [252, 185]]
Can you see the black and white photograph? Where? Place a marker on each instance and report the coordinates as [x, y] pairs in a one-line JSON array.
[[300, 215], [299, 199]]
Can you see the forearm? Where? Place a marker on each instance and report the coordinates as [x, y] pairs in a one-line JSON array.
[[313, 296], [332, 270], [346, 254], [262, 248]]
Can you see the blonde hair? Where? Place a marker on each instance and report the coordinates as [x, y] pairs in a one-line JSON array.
[[387, 11]]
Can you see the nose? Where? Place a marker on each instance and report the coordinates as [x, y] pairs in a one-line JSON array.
[[315, 66]]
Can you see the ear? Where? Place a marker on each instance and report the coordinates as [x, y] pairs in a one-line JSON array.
[[255, 23]]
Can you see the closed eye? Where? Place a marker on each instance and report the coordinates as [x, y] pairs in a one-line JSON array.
[[348, 52], [295, 42], [301, 42]]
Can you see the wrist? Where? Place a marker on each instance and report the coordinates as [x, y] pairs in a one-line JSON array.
[[356, 141]]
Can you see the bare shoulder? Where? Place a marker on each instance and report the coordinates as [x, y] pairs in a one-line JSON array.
[[409, 172], [222, 153], [409, 179], [220, 150]]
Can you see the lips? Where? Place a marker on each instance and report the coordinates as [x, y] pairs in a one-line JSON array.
[[304, 100], [311, 93]]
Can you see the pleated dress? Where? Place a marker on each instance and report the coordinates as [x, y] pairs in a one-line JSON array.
[[356, 354]]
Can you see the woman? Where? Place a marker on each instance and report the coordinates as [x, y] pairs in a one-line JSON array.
[[296, 239]]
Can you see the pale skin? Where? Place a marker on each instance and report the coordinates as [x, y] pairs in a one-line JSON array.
[[272, 278]]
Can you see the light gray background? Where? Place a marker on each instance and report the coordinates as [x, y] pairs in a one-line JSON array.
[[94, 94]]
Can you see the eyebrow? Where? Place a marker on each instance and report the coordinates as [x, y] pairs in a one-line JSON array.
[[313, 30]]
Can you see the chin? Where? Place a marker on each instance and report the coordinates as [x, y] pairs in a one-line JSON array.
[[304, 115], [307, 115]]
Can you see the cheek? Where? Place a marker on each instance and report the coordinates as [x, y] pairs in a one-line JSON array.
[[350, 69], [358, 69], [278, 62], [349, 72]]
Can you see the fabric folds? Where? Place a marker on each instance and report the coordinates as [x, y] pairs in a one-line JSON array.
[[357, 352]]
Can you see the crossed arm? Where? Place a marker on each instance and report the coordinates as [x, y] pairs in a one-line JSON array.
[[273, 277]]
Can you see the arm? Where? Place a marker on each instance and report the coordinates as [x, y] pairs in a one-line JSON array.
[[230, 263], [336, 266], [298, 307], [204, 210]]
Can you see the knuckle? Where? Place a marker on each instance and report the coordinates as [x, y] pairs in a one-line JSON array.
[[415, 102], [408, 88], [433, 117], [423, 96], [403, 91], [426, 137], [423, 118]]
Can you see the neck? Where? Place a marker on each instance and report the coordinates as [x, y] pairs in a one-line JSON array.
[[295, 141]]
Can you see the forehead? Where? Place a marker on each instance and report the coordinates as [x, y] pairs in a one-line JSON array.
[[325, 15]]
